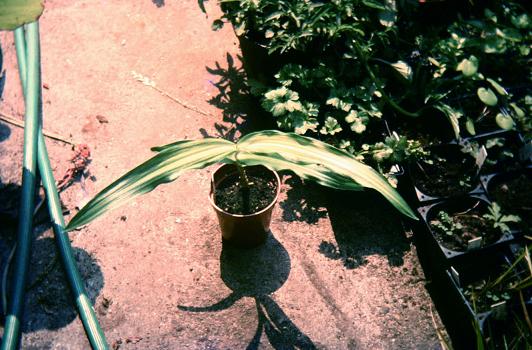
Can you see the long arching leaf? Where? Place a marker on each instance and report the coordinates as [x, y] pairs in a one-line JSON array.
[[309, 158], [166, 166], [315, 160]]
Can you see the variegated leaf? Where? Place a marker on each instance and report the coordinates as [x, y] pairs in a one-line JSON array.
[[309, 158], [166, 166], [316, 160]]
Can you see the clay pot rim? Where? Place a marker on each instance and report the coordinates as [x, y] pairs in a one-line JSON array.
[[273, 202]]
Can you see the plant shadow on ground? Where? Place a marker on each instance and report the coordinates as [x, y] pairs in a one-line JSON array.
[[49, 302], [363, 222], [239, 107], [256, 273], [5, 131]]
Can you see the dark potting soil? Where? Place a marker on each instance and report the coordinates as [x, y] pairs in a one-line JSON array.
[[515, 197], [233, 198], [471, 225], [444, 178]]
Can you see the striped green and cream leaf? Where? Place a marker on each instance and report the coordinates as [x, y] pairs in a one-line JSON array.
[[166, 166], [308, 158], [316, 160]]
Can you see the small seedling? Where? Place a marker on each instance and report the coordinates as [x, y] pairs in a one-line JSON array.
[[498, 220], [445, 224]]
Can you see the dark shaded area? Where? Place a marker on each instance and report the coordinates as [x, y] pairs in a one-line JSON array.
[[363, 222], [240, 107], [10, 195], [304, 203], [49, 302], [5, 132], [2, 72], [158, 3], [257, 273]]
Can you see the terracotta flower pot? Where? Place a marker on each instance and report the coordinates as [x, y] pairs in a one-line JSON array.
[[243, 230]]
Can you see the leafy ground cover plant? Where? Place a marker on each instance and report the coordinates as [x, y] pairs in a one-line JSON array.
[[308, 158], [368, 58]]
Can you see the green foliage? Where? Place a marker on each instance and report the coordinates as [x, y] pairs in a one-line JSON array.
[[451, 225], [284, 25], [498, 220], [351, 62], [463, 50], [445, 224], [308, 158], [14, 13]]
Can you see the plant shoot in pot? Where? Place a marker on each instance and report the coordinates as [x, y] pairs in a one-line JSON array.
[[310, 159]]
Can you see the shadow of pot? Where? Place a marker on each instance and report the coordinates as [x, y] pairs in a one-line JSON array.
[[248, 230]]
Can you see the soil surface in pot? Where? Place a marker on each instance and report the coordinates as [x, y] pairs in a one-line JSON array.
[[454, 230], [442, 177], [234, 198], [515, 197]]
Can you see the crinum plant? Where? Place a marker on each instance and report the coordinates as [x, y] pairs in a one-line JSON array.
[[310, 159]]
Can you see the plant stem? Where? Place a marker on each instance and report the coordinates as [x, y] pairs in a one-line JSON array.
[[385, 97], [86, 311], [244, 180], [244, 184], [22, 256]]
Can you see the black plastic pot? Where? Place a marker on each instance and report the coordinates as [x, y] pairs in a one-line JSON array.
[[496, 331], [499, 312], [243, 230], [453, 307], [476, 249], [429, 179], [507, 157]]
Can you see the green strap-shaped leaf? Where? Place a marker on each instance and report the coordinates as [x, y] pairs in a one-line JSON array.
[[315, 160], [14, 13], [309, 158], [166, 166]]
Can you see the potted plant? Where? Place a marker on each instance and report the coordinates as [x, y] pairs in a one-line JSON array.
[[489, 301], [243, 200], [447, 172], [310, 159], [496, 294], [467, 224], [503, 150]]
